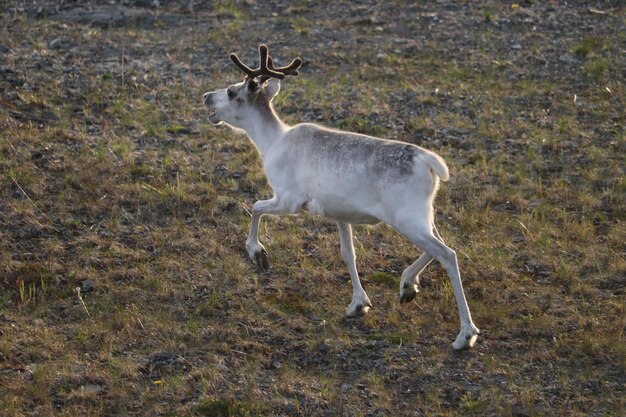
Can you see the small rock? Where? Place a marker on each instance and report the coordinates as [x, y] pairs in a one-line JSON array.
[[324, 347], [92, 388], [519, 412], [87, 285], [516, 47], [55, 44], [345, 388], [568, 59], [291, 409], [10, 95]]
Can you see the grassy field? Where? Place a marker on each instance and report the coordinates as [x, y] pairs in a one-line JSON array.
[[125, 288]]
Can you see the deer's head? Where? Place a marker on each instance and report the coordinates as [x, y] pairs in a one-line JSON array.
[[240, 103]]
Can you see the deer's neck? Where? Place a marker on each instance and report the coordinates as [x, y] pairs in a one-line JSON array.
[[265, 129]]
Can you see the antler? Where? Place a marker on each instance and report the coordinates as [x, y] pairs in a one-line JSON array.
[[266, 69]]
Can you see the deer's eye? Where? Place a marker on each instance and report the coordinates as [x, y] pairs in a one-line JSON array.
[[231, 94]]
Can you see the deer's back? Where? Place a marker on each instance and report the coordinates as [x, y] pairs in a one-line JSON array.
[[332, 150]]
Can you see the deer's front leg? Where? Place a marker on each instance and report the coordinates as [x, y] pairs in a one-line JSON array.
[[360, 301], [255, 249]]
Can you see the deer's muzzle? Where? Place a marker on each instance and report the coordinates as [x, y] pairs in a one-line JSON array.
[[208, 101]]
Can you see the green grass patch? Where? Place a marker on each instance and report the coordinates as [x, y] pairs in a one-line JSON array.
[[384, 279], [596, 69], [588, 45]]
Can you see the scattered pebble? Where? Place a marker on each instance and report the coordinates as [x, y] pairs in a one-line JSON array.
[[91, 389], [568, 59], [87, 285], [55, 44]]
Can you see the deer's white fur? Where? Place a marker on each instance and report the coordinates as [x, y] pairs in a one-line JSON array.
[[349, 178]]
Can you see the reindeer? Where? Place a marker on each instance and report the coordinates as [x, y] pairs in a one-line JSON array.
[[346, 177]]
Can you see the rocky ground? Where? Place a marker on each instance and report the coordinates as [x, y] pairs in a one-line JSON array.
[[124, 284]]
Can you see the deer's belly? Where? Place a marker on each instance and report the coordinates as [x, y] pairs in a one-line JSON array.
[[340, 211]]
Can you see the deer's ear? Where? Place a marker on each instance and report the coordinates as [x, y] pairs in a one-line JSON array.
[[273, 87]]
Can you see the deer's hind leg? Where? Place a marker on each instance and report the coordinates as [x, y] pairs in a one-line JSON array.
[[411, 278], [426, 237], [411, 275]]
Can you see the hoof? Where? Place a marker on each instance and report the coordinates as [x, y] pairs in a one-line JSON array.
[[408, 293], [407, 297], [359, 310], [466, 339], [261, 260]]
